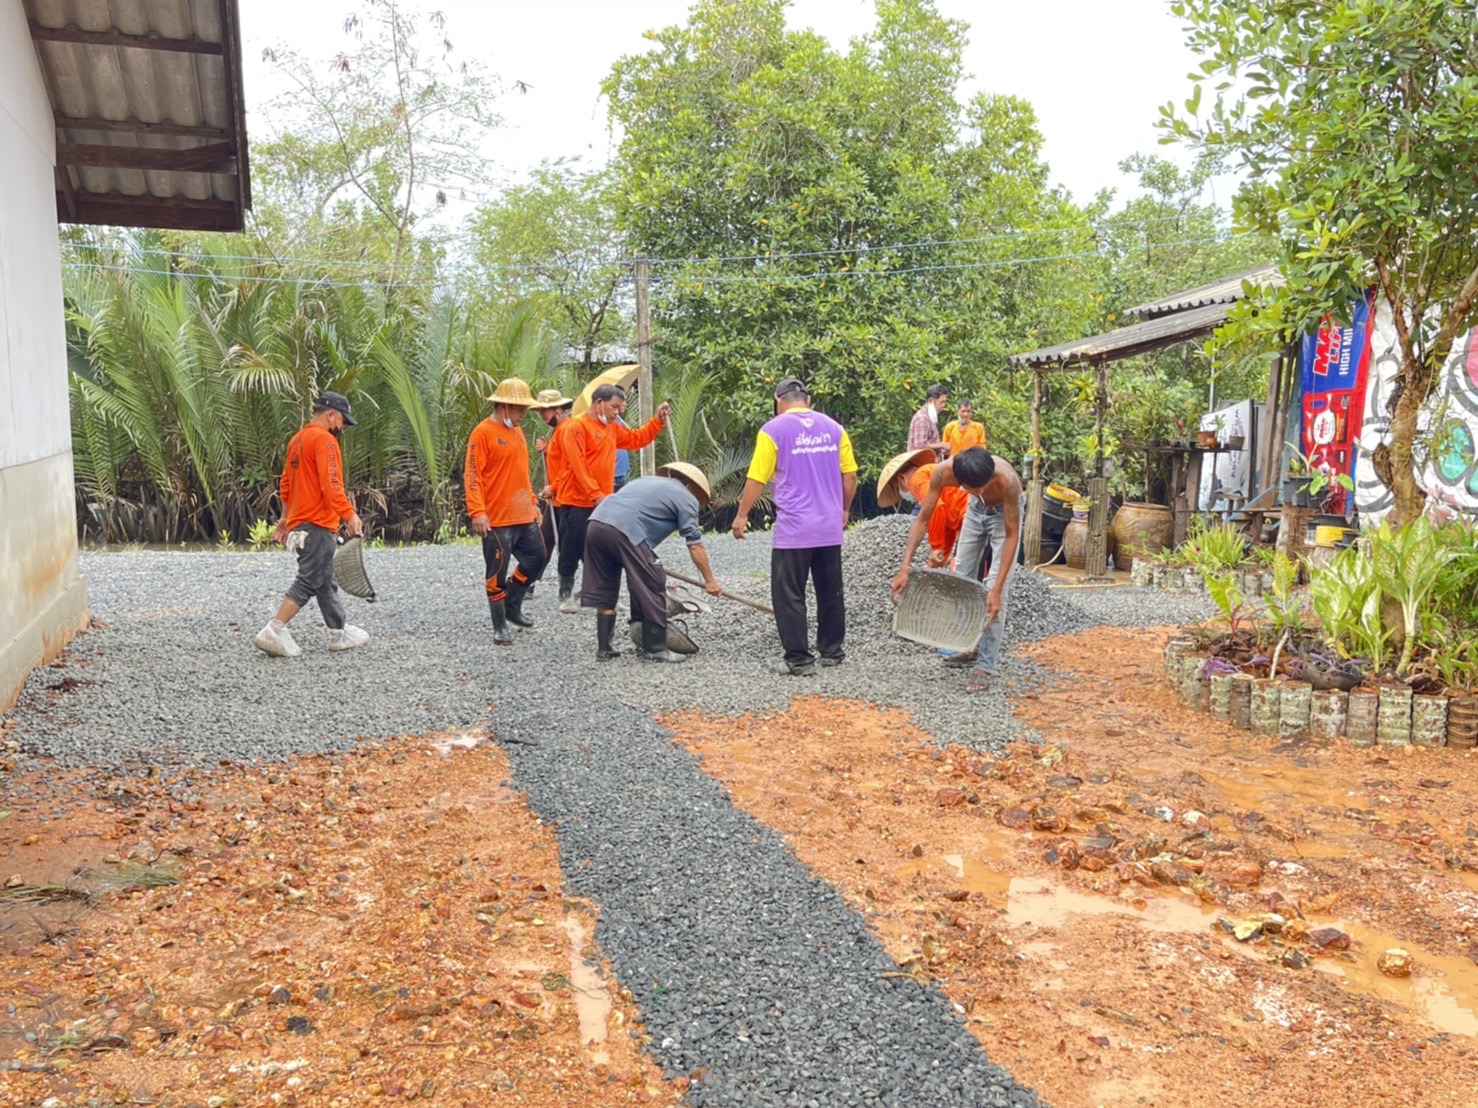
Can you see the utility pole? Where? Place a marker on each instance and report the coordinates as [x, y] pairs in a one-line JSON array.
[[644, 360]]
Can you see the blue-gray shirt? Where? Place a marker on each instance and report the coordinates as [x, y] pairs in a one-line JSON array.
[[649, 509]]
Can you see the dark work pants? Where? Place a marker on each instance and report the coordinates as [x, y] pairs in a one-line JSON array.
[[502, 544], [788, 572], [608, 554], [572, 523], [316, 574]]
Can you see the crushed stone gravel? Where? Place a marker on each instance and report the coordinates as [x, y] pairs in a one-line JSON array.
[[744, 965]]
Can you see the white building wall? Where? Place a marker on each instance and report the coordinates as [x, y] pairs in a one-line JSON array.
[[43, 599]]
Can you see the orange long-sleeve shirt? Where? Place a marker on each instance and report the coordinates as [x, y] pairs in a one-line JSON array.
[[496, 476], [586, 460], [949, 514], [312, 484]]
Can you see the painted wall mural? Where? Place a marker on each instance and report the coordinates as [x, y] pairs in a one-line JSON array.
[[1449, 474]]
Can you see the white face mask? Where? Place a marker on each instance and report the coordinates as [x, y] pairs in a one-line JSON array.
[[907, 494], [508, 423], [605, 419]]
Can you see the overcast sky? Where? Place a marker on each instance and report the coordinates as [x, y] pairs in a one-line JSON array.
[[1095, 70]]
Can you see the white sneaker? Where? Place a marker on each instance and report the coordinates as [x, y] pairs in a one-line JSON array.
[[277, 641], [347, 638]]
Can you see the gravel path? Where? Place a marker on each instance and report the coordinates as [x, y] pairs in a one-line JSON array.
[[742, 962]]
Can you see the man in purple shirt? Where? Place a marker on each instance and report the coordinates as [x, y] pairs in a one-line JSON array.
[[810, 458]]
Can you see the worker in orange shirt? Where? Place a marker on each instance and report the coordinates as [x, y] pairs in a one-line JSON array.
[[963, 432], [581, 459], [502, 509], [313, 503], [906, 476]]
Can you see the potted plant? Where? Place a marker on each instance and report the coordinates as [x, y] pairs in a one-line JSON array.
[[1180, 441], [1236, 438]]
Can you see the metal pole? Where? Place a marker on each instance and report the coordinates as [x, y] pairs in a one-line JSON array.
[[644, 360]]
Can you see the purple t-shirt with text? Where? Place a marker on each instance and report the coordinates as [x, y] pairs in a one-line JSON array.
[[808, 479]]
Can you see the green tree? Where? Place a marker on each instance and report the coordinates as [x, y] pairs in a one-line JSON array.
[[1356, 124], [553, 240], [870, 224]]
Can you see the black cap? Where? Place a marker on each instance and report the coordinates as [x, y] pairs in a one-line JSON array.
[[790, 385], [335, 401]]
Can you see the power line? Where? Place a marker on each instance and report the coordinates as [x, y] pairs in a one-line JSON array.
[[862, 248], [453, 278]]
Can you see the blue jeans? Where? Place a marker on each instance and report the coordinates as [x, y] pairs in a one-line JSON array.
[[984, 525]]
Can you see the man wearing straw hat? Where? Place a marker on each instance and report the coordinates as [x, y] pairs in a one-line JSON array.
[[313, 503], [810, 458], [906, 476], [502, 508], [623, 534], [554, 409], [993, 518], [586, 448]]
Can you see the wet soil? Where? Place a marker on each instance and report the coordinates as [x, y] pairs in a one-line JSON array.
[[387, 924], [1081, 901]]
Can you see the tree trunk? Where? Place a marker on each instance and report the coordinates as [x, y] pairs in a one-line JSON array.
[[1414, 384]]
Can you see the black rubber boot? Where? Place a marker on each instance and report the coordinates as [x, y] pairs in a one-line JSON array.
[[501, 635], [654, 644], [514, 604], [567, 596], [605, 627]]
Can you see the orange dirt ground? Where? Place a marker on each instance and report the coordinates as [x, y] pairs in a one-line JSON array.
[[1073, 898], [360, 928]]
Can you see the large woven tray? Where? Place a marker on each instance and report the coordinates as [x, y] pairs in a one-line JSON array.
[[349, 570], [940, 609]]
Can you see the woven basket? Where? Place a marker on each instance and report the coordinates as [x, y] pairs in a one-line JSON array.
[[349, 570], [941, 609], [678, 639]]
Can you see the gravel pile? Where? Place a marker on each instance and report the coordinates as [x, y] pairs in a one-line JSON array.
[[173, 675]]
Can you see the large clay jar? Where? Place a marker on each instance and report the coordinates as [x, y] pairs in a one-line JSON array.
[[1140, 529], [1075, 543]]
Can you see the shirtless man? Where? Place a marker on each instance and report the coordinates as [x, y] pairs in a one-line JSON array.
[[993, 516]]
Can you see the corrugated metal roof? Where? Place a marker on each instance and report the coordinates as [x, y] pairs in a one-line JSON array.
[[1226, 291], [149, 109], [1125, 342]]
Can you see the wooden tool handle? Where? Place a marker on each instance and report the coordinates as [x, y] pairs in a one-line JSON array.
[[726, 595]]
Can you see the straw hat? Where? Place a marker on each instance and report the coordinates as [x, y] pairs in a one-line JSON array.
[[887, 494], [692, 474], [513, 391], [551, 398]]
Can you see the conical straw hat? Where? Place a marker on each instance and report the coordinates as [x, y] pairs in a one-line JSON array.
[[692, 473], [513, 391], [887, 494], [623, 376]]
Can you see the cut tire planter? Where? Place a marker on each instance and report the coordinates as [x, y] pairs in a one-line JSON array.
[[1429, 721], [1327, 713], [1390, 715], [1393, 716], [1360, 725], [1266, 692]]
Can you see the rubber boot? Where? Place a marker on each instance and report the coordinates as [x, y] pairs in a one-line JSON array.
[[567, 606], [517, 590], [501, 635], [605, 627], [654, 644]]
